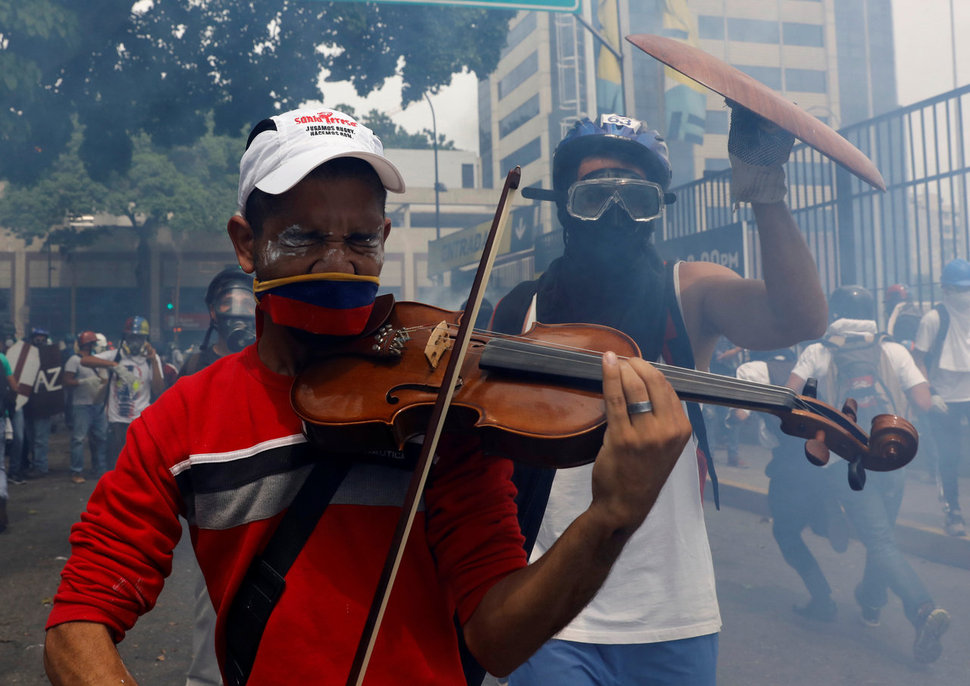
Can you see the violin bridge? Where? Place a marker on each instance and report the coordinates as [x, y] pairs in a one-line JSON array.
[[438, 342]]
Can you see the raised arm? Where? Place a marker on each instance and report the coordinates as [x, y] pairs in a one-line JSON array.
[[526, 608], [789, 305]]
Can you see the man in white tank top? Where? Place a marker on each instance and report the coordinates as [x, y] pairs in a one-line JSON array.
[[656, 619]]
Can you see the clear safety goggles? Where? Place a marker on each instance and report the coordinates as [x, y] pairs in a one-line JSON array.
[[589, 199]]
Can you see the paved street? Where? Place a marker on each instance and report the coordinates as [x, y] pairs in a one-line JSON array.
[[32, 552], [763, 642]]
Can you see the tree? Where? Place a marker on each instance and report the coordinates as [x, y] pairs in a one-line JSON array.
[[186, 188], [394, 135], [161, 67]]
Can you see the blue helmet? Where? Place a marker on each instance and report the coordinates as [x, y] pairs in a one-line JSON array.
[[615, 136], [956, 273]]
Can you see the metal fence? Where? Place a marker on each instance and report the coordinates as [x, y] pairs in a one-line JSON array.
[[857, 233]]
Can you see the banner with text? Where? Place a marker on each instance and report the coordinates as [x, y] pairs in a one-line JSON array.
[[725, 246]]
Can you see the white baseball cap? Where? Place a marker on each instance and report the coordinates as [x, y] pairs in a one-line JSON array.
[[288, 146]]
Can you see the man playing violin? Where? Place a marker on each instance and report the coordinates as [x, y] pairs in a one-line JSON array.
[[656, 619], [224, 449]]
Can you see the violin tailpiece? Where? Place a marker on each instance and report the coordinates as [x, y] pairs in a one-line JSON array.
[[389, 341]]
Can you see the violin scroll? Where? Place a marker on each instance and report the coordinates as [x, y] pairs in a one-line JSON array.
[[892, 443]]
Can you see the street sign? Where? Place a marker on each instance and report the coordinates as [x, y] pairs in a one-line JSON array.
[[547, 5], [461, 248]]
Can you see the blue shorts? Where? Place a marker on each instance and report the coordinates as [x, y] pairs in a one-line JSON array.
[[687, 662]]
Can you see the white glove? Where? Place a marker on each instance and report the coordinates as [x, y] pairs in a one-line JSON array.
[[939, 404], [757, 149]]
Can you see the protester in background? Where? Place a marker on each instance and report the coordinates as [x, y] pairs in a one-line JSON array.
[[135, 378], [90, 387], [229, 299], [800, 494], [45, 402], [656, 619], [853, 360], [942, 351], [24, 360], [902, 315], [8, 395], [232, 316]]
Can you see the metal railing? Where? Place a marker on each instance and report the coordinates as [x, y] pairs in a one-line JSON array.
[[857, 233]]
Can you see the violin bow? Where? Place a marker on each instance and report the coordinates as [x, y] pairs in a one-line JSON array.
[[435, 425]]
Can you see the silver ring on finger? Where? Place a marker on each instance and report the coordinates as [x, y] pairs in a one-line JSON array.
[[639, 408]]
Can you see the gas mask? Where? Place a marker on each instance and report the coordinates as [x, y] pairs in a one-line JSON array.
[[233, 315], [135, 345]]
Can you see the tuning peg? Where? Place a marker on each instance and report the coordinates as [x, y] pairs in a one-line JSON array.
[[850, 408], [816, 451], [857, 474]]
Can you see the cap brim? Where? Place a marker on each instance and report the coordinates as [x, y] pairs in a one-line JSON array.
[[294, 169]]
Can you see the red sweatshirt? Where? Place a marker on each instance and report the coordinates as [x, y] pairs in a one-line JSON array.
[[224, 449]]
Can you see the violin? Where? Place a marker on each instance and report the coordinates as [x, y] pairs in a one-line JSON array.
[[537, 397]]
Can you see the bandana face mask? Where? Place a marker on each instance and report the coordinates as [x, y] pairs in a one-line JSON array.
[[958, 299], [328, 304]]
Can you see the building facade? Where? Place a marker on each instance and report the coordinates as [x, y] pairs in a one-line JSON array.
[[833, 57]]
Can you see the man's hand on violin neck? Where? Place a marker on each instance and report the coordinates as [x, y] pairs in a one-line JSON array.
[[639, 450]]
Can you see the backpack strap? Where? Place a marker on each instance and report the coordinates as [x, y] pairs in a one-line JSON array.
[[264, 582], [677, 351], [933, 354]]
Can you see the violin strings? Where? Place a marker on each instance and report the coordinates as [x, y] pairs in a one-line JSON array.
[[700, 382], [704, 383]]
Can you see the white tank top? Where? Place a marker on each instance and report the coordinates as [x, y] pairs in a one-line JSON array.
[[662, 586]]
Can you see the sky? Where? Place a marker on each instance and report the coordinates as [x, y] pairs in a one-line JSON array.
[[924, 55], [924, 68]]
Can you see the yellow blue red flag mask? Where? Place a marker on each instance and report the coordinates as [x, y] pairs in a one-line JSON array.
[[328, 304]]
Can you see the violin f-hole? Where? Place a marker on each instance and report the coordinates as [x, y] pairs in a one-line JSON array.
[[392, 399]]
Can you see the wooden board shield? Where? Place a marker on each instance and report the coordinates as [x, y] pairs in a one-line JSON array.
[[735, 85]]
